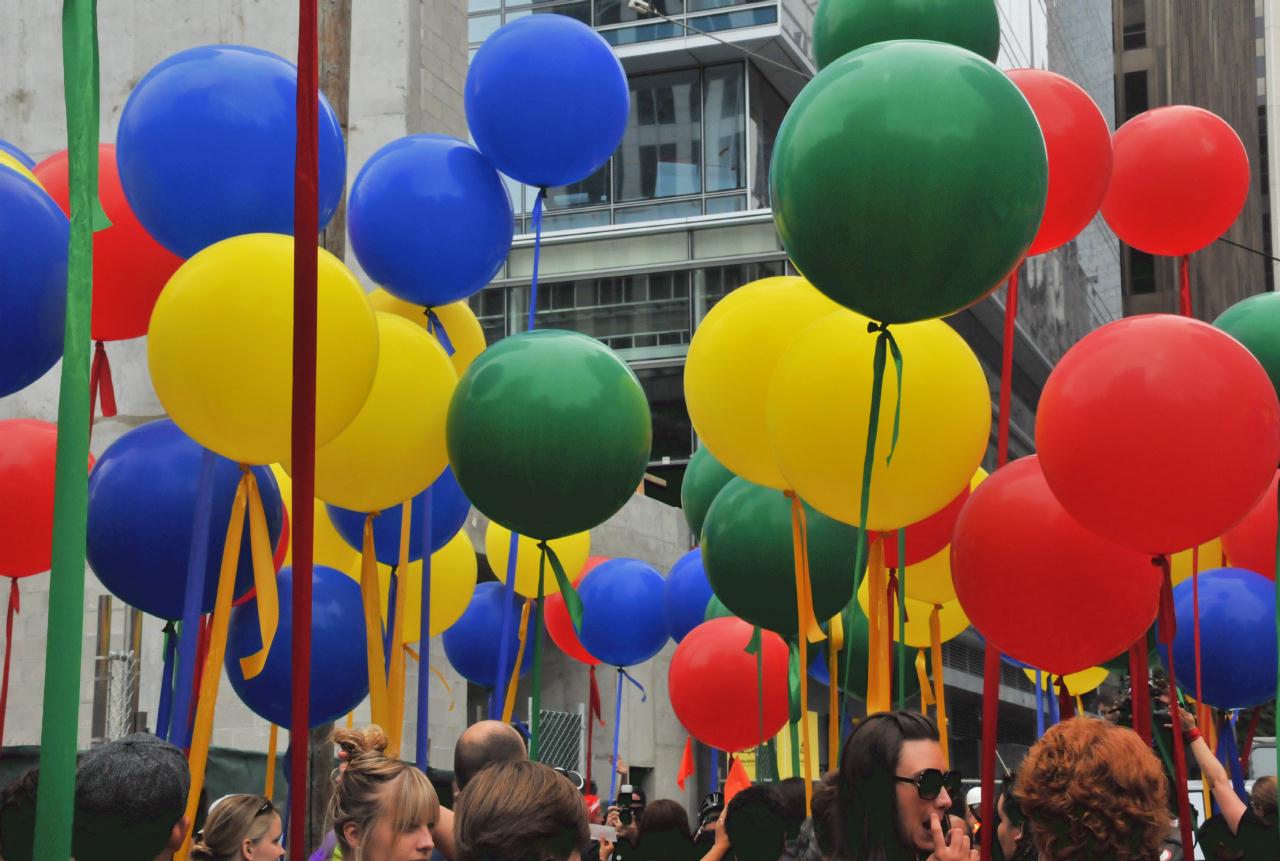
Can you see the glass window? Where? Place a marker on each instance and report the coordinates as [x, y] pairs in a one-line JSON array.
[[592, 191], [716, 282], [767, 110], [734, 20], [481, 26], [642, 33], [704, 5], [580, 11], [1142, 272], [626, 311], [672, 429], [483, 5], [1134, 14], [1135, 94], [490, 307], [657, 211], [661, 149], [618, 12], [724, 143], [729, 203], [572, 220]]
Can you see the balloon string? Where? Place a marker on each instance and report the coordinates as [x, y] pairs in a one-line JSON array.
[[100, 385], [264, 578], [1066, 705], [990, 721], [755, 646], [497, 705], [834, 643], [807, 628], [422, 742], [435, 328], [1139, 693], [1053, 711], [535, 728], [537, 253], [593, 700], [396, 664], [1167, 633], [197, 565], [939, 682], [164, 710], [15, 602], [509, 703], [890, 623], [902, 618], [572, 603], [1039, 704], [1184, 285], [269, 784], [1006, 368], [371, 595], [617, 737], [1195, 621]]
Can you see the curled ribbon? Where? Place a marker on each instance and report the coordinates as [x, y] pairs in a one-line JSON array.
[[435, 328], [264, 577], [509, 703]]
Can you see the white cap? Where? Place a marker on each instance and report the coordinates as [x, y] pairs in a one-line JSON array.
[[974, 797]]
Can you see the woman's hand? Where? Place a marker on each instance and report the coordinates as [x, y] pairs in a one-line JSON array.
[[606, 849], [953, 847]]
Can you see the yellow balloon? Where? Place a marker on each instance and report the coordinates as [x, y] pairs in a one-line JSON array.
[[457, 318], [952, 621], [453, 579], [819, 403], [930, 581], [394, 447], [220, 347], [330, 549], [13, 164], [572, 550], [1211, 556], [1076, 683], [730, 365]]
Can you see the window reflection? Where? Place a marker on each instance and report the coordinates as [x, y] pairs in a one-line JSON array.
[[661, 149], [726, 127], [625, 312]]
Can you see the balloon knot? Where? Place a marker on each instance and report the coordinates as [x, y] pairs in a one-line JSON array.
[[874, 327], [244, 469]]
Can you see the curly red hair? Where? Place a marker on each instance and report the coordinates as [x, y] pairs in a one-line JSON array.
[[1093, 790]]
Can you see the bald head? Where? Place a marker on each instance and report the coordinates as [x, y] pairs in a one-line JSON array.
[[482, 743]]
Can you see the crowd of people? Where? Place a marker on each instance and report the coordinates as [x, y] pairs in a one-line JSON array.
[[1089, 789]]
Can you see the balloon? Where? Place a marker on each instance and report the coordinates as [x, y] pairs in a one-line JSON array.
[[687, 595], [843, 26], [573, 551], [129, 267], [560, 624], [27, 452], [394, 447], [930, 581], [1158, 432], [453, 580], [704, 477], [856, 637], [717, 610], [926, 538], [1252, 322], [1039, 585], [1237, 638], [818, 406], [1120, 663], [732, 358], [329, 548], [622, 619], [18, 167], [549, 433], [206, 147], [449, 509], [1076, 684], [430, 219], [456, 318], [712, 682], [18, 155], [1211, 555], [1077, 139], [747, 551], [886, 215], [952, 622], [471, 643], [546, 100], [1251, 543], [142, 506], [337, 651], [220, 348], [1180, 179], [33, 282]]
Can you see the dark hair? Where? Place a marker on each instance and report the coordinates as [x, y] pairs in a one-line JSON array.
[[827, 830], [483, 743], [1025, 847], [1263, 799], [18, 817], [791, 793], [867, 797], [665, 815], [756, 823], [520, 811], [130, 793]]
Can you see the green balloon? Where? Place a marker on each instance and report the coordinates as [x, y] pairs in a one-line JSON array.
[[703, 479], [856, 637], [843, 26], [746, 550], [908, 180], [549, 433], [716, 610], [1255, 322]]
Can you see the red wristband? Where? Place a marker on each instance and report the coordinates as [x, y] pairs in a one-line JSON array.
[[1191, 735]]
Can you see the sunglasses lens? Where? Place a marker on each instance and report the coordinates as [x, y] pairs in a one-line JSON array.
[[955, 784], [930, 784]]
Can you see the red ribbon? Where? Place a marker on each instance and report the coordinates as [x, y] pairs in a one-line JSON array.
[[1066, 702], [1168, 629], [1184, 285], [1141, 696], [15, 602], [595, 713], [1006, 368], [100, 383]]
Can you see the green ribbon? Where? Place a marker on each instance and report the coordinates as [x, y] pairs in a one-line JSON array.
[[794, 670], [902, 617], [755, 646], [535, 723], [572, 602], [886, 338], [60, 722]]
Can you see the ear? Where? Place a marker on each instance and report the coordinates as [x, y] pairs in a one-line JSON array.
[[178, 835], [351, 833]]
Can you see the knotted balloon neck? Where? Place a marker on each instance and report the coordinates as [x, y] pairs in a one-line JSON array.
[[1167, 620], [572, 603], [536, 221], [435, 328], [623, 674], [883, 340]]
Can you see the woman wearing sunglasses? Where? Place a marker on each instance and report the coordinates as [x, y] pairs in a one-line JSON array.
[[894, 792], [240, 828]]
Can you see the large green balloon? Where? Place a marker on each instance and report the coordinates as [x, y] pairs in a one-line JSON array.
[[703, 479], [746, 550], [549, 433], [843, 26], [856, 637], [908, 180], [1255, 322]]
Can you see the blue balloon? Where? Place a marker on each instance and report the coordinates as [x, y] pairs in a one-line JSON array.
[[1237, 637], [430, 219], [687, 594], [471, 644], [206, 147], [449, 508], [623, 622], [33, 281], [142, 502], [339, 667], [547, 100], [25, 160]]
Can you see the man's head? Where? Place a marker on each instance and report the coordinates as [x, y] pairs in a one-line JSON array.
[[756, 823], [482, 743], [131, 796]]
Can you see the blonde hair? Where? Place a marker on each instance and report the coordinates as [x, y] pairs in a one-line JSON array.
[[234, 819], [1263, 799], [370, 787]]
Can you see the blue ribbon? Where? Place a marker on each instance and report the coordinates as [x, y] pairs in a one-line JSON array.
[[715, 770], [644, 697], [1039, 704], [387, 624], [165, 710], [435, 327], [1054, 716], [617, 736], [1229, 756], [537, 253], [422, 752], [197, 562], [504, 637]]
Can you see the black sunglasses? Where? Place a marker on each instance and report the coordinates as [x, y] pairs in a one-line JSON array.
[[930, 783]]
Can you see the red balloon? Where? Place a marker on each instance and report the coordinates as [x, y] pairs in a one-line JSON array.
[[1251, 543], [129, 267], [1158, 432], [1039, 585], [712, 685], [556, 617], [925, 538], [1180, 179], [1077, 139], [27, 451]]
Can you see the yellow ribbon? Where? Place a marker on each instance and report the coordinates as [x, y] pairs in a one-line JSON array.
[[264, 578], [269, 785], [396, 684], [351, 719], [939, 688], [372, 598], [834, 645], [808, 630], [878, 680], [922, 676], [510, 704], [448, 688]]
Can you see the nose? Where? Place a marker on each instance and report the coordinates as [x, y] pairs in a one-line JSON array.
[[943, 801], [424, 839]]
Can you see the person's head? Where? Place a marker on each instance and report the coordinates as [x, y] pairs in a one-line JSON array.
[[893, 780], [18, 817], [791, 793], [828, 830], [630, 804], [382, 809], [973, 806], [1263, 799], [516, 810], [1091, 789], [240, 828], [665, 815], [1012, 837], [131, 799], [756, 823], [482, 743]]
